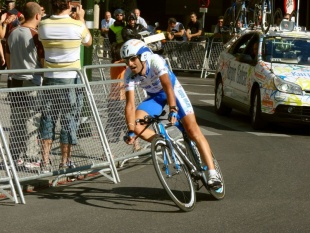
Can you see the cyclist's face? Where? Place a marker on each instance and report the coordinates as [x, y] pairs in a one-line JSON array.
[[134, 64]]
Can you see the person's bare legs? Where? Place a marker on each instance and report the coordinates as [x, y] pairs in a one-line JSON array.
[[65, 152], [195, 134], [192, 129], [147, 134], [46, 145]]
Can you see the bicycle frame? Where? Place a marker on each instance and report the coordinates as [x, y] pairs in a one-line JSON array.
[[174, 161], [160, 129]]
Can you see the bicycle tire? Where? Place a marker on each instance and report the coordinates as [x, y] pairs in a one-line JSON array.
[[178, 184], [218, 193], [277, 16], [267, 21]]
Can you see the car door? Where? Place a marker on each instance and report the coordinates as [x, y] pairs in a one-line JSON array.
[[245, 69], [233, 85]]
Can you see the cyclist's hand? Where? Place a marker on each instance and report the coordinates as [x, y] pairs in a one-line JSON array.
[[172, 117], [130, 137]]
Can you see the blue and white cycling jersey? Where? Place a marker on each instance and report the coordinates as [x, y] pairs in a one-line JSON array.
[[156, 66]]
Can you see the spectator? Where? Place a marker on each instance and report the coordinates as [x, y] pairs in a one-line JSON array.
[[6, 19], [2, 56], [140, 20], [194, 30], [43, 13], [25, 51], [132, 28], [9, 20], [239, 26], [115, 103], [287, 16], [106, 23], [175, 30], [117, 93], [115, 32], [61, 37], [13, 11], [219, 25]]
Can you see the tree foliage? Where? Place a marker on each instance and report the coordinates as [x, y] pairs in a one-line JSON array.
[[19, 3], [126, 5]]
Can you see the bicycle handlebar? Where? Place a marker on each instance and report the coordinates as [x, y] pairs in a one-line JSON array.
[[148, 120]]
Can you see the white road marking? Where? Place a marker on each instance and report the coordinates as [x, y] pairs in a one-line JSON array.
[[269, 134], [211, 102], [197, 85], [208, 132], [196, 93]]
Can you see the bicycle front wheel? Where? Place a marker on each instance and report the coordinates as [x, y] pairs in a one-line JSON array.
[[173, 175]]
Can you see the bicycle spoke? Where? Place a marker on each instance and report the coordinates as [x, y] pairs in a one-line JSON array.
[[174, 175]]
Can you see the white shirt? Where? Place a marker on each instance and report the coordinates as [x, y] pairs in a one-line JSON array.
[[156, 66], [105, 24], [141, 21]]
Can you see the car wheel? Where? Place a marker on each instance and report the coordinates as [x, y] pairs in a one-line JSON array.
[[220, 107], [256, 112]]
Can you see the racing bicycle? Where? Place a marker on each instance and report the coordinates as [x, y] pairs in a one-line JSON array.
[[250, 13], [178, 163], [266, 13]]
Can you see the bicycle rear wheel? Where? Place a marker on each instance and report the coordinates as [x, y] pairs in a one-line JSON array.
[[197, 161], [173, 175]]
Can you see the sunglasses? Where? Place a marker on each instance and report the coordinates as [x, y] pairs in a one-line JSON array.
[[130, 59], [119, 15]]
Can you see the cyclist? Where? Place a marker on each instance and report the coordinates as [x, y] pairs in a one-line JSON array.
[[151, 72], [132, 29]]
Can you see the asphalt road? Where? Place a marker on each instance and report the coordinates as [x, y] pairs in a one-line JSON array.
[[266, 175]]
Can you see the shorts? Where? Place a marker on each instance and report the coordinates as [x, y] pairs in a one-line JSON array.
[[155, 102], [65, 104]]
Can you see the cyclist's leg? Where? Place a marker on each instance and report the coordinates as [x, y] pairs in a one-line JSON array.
[[148, 134], [193, 131], [151, 106]]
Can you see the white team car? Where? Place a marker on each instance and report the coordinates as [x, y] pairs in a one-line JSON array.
[[272, 85]]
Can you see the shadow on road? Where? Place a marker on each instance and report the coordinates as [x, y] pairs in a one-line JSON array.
[[118, 198]]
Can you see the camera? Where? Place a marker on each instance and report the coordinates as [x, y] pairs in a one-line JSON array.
[[74, 5]]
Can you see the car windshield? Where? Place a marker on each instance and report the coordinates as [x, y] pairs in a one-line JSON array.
[[286, 50]]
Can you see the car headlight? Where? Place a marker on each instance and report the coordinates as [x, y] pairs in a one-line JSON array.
[[287, 87]]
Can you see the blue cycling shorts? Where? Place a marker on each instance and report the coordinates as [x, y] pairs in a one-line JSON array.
[[155, 102]]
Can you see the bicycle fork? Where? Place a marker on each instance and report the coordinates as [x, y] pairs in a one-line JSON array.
[[167, 159]]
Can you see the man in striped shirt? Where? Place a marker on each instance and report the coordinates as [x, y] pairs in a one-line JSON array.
[[61, 37]]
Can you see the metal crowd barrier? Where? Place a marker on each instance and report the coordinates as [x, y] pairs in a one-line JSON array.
[[187, 56], [109, 97], [183, 56], [212, 54], [21, 110], [101, 120]]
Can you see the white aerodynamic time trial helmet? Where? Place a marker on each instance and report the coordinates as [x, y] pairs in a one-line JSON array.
[[135, 47]]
